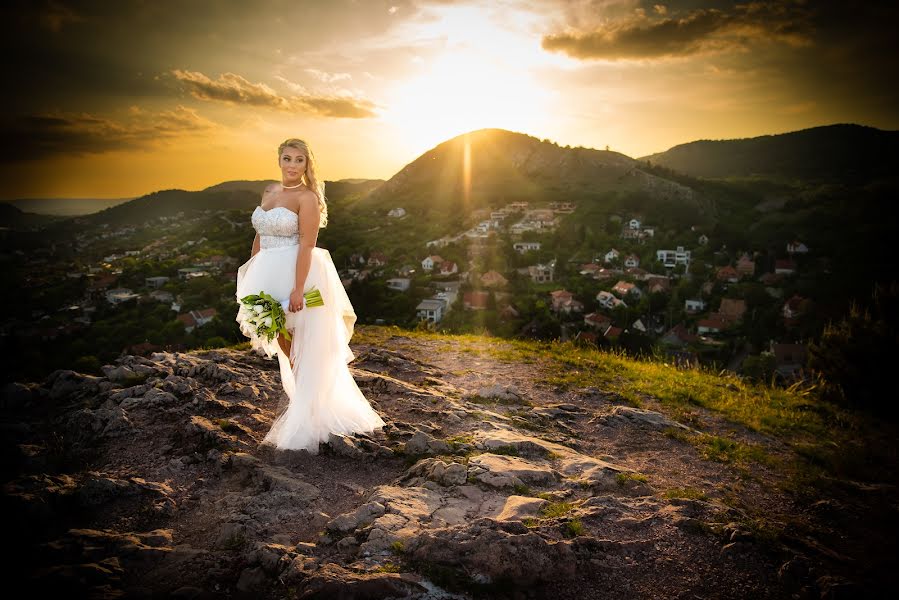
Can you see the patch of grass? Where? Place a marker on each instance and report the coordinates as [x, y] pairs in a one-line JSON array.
[[725, 450], [458, 440], [686, 492], [397, 547], [388, 567], [556, 509], [227, 425], [796, 415], [625, 476], [676, 433], [505, 450], [574, 528], [530, 522]]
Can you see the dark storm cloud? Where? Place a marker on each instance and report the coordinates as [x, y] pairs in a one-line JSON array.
[[659, 33], [235, 89], [37, 136], [830, 53]]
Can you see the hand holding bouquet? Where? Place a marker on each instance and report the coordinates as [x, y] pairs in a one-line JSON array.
[[311, 298], [267, 314]]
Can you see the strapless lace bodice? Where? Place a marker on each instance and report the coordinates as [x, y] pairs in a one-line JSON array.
[[277, 227]]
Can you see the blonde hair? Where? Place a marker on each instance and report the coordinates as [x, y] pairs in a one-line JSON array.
[[317, 187]]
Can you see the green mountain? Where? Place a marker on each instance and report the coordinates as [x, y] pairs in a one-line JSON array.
[[845, 153], [494, 166]]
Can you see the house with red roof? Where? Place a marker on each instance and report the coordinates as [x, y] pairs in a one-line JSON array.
[[784, 266], [196, 318], [597, 320], [678, 336], [728, 273], [377, 259], [448, 267], [475, 300]]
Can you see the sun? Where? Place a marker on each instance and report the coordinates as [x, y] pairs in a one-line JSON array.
[[459, 92]]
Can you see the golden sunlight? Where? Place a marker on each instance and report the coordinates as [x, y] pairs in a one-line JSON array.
[[460, 92]]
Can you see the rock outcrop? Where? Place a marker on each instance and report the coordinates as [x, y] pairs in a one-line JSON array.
[[150, 481]]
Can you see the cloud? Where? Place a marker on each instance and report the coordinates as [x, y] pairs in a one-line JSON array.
[[328, 77], [698, 31], [234, 89], [46, 135]]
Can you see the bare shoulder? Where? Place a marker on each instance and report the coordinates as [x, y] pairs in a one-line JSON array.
[[308, 198], [270, 188]]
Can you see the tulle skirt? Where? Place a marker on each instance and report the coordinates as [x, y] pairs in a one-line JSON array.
[[323, 397]]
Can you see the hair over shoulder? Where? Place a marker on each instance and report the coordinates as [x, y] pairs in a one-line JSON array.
[[311, 180]]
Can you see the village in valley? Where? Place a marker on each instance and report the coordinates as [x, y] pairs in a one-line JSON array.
[[512, 272], [681, 301]]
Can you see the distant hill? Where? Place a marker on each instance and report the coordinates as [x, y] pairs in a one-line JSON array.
[[505, 166], [14, 217], [845, 153], [228, 195], [65, 207]]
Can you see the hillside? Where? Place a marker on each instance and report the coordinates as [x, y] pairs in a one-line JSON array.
[[505, 166], [507, 470], [229, 195], [844, 153]]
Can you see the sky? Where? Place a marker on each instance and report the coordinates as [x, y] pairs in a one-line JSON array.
[[120, 99]]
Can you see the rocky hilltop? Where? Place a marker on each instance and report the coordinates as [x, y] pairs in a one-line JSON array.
[[487, 482]]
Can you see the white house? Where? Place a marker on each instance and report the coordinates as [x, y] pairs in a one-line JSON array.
[[431, 309], [694, 306], [703, 239], [634, 223], [611, 255], [670, 258], [191, 272], [608, 300], [428, 263], [397, 212], [398, 283], [522, 247], [156, 282], [632, 260], [796, 247], [540, 273]]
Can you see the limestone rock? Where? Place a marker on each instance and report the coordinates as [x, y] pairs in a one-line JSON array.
[[508, 471]]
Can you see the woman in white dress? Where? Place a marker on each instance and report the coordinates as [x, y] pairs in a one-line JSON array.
[[323, 397]]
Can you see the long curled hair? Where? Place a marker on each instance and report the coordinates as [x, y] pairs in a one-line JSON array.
[[317, 187]]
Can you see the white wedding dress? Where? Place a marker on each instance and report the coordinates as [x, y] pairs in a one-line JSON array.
[[323, 396]]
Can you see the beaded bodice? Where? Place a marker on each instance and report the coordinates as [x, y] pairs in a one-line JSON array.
[[277, 227]]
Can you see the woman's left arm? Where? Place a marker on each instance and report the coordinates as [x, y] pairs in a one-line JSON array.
[[308, 229]]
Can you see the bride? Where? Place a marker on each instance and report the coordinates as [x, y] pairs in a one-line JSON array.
[[323, 397]]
